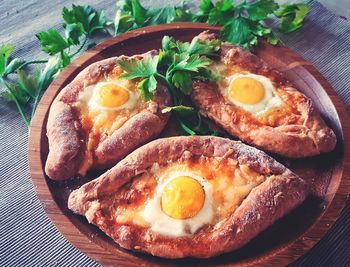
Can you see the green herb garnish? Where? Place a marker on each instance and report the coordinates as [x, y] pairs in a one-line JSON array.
[[292, 16], [27, 86], [178, 62], [242, 24]]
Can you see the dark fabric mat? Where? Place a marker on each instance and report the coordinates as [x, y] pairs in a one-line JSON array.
[[28, 238]]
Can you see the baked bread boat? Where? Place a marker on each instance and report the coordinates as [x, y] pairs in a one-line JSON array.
[[258, 105], [98, 118], [189, 197]]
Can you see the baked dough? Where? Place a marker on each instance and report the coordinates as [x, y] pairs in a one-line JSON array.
[[279, 193], [70, 152], [299, 131]]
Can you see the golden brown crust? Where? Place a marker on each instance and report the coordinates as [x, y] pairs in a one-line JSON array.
[[67, 139], [64, 142], [307, 136], [138, 130], [265, 204]]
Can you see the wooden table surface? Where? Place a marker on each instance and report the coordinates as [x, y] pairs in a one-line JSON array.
[[28, 238]]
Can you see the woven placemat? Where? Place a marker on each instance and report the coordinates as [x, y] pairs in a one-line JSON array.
[[28, 238]]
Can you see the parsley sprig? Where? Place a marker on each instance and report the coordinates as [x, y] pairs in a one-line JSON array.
[[26, 87], [242, 23], [176, 65], [80, 22]]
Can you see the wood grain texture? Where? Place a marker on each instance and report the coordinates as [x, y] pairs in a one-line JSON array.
[[280, 244]]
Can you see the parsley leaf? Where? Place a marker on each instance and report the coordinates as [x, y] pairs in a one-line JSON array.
[[180, 110], [8, 66], [15, 93], [30, 86], [272, 38], [89, 19], [45, 77], [292, 16], [160, 15], [25, 87], [192, 62], [205, 75], [123, 22], [138, 11], [52, 42], [259, 10], [224, 5], [183, 13], [197, 46], [205, 6], [78, 21], [132, 15], [21, 91], [135, 68], [181, 61], [145, 68], [13, 66], [28, 82], [73, 32], [221, 13], [244, 32], [176, 66], [183, 81], [5, 52], [147, 87], [238, 32], [208, 47]]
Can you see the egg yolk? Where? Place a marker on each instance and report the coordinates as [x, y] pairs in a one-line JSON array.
[[246, 90], [112, 96], [182, 198]]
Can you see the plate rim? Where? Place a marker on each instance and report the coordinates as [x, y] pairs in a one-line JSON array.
[[62, 222]]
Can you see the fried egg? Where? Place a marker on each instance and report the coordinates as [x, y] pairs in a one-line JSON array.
[[109, 96], [182, 203], [251, 92], [184, 198]]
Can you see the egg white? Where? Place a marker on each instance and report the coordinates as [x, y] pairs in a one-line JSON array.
[[163, 224], [270, 100], [90, 96]]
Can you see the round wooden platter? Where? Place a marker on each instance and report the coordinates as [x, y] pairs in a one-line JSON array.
[[282, 243]]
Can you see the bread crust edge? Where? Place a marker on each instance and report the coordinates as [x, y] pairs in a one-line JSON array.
[[265, 204]]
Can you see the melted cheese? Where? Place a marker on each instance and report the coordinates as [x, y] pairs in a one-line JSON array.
[[279, 107], [100, 122], [229, 182]]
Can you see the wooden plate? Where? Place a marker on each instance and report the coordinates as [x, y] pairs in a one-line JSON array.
[[286, 240]]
